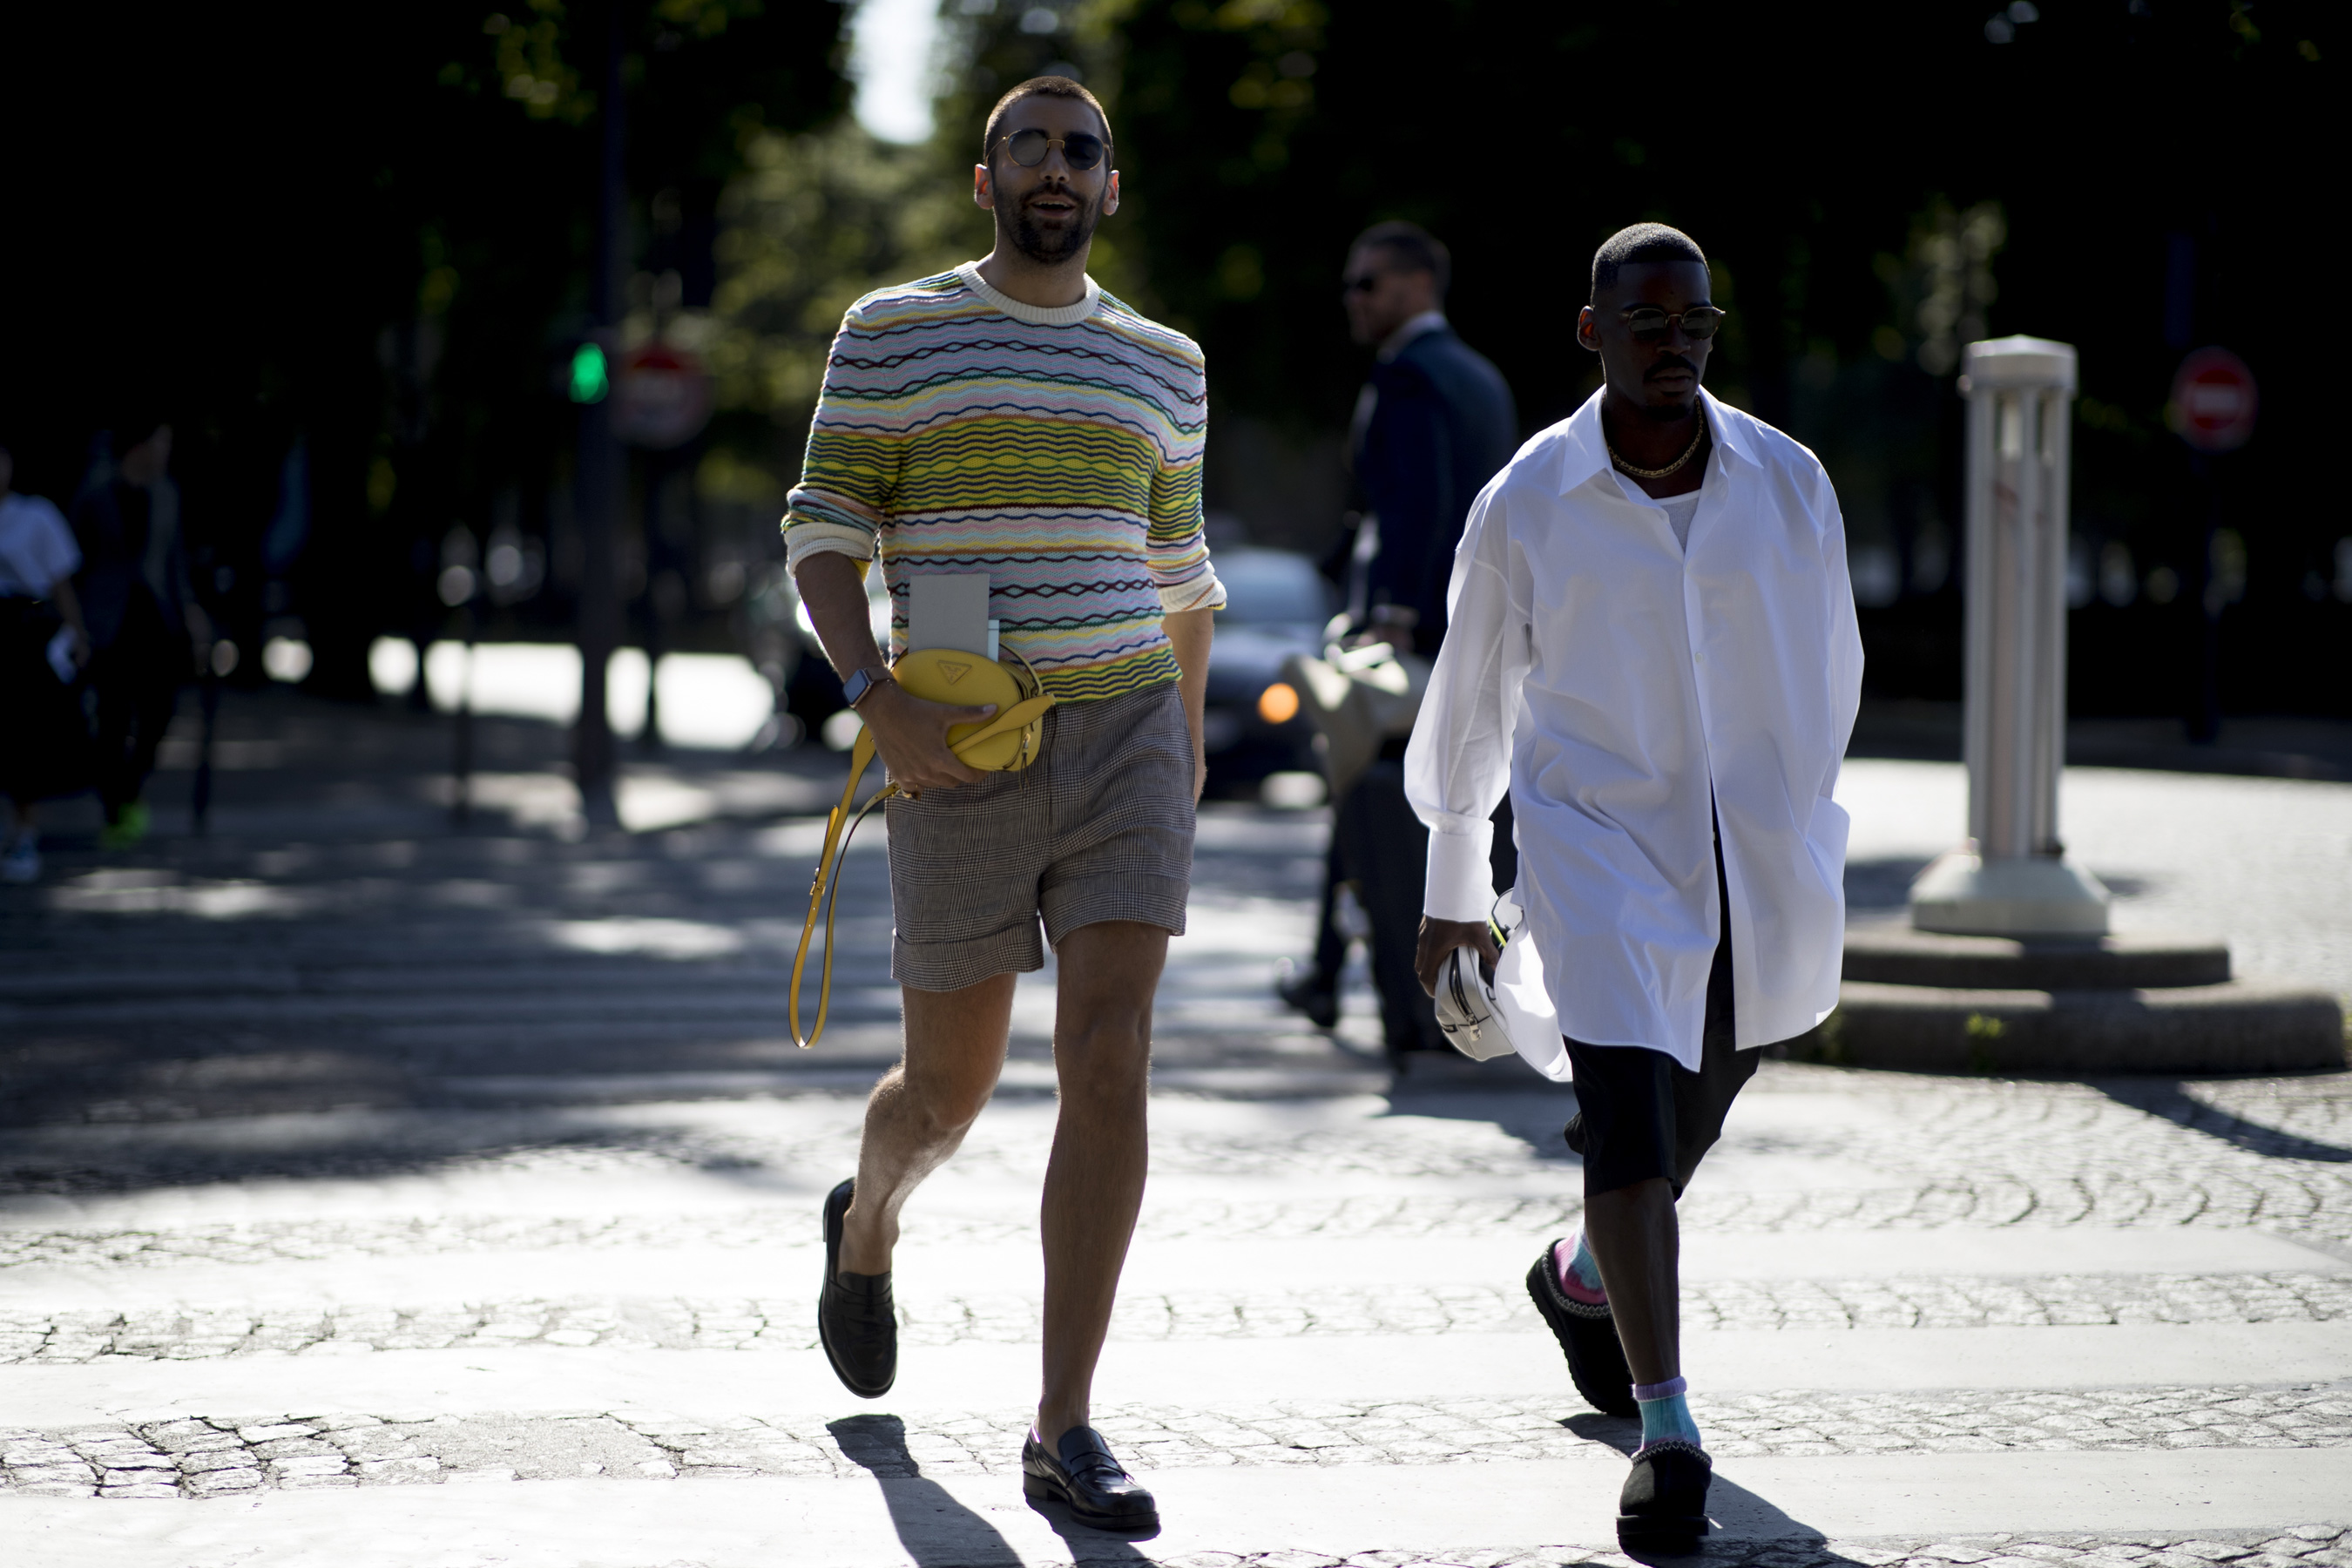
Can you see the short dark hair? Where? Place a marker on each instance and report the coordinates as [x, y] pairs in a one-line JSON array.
[[1641, 242], [134, 424], [1412, 247], [1037, 87]]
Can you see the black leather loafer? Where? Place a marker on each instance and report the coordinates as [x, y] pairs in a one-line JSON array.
[[1084, 1479], [1588, 1334], [1311, 994], [1663, 1509], [855, 1319]]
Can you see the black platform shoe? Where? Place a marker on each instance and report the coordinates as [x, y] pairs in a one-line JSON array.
[[1084, 1479], [855, 1321], [1588, 1333], [1310, 992], [1663, 1510]]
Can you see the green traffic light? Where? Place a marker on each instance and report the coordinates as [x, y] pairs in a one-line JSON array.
[[590, 380]]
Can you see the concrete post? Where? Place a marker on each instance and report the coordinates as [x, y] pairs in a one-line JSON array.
[[2011, 878]]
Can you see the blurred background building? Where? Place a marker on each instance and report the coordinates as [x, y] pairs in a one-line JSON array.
[[350, 249]]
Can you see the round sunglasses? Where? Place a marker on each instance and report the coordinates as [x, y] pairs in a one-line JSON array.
[[1080, 149], [1648, 324]]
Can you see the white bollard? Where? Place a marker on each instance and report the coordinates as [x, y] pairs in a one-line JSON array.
[[2011, 878]]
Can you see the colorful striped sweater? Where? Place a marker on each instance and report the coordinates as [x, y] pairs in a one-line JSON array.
[[1058, 450]]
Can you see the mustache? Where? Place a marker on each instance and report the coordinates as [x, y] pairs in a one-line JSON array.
[[1669, 361]]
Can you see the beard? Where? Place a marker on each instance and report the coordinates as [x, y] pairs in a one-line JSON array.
[[1047, 249]]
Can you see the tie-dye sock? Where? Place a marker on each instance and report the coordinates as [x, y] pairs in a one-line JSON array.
[[1580, 1276], [1665, 1412]]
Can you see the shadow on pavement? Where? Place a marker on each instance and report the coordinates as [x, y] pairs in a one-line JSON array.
[[2169, 1098], [1089, 1545], [937, 1531]]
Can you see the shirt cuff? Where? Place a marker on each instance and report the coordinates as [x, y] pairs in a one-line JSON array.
[[1202, 593], [803, 540], [1461, 877]]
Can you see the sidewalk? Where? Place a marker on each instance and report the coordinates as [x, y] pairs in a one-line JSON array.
[[374, 1191]]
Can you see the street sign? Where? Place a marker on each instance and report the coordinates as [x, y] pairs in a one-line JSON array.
[[2212, 406], [661, 398]]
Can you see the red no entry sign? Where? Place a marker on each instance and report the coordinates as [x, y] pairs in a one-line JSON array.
[[2212, 405], [662, 396]]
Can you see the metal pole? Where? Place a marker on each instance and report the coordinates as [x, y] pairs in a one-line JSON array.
[[600, 464], [2011, 878]]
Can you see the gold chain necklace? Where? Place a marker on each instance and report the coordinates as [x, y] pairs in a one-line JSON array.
[[1670, 467]]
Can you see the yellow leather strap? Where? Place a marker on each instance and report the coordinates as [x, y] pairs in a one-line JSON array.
[[824, 889]]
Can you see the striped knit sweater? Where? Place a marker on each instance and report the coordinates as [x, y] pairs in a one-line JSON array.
[[1058, 450]]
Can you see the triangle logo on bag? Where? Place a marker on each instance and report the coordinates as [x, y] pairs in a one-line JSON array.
[[954, 672]]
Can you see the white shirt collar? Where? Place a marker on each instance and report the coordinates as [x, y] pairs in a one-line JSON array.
[[1586, 450], [1419, 326], [1069, 315]]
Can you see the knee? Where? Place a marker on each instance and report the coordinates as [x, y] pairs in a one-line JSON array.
[[949, 1106], [1105, 1062]]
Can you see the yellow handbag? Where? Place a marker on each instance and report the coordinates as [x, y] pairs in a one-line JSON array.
[[1006, 743]]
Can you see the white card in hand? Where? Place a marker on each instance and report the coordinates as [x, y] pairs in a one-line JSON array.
[[948, 610]]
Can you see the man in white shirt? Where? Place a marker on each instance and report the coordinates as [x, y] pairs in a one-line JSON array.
[[1654, 649]]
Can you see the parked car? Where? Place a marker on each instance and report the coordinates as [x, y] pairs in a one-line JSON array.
[[1276, 604]]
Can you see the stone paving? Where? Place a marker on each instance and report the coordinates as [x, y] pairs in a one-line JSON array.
[[204, 1458], [245, 1084], [195, 1333]]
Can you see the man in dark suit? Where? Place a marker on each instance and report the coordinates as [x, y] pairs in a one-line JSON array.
[[145, 624], [1432, 424]]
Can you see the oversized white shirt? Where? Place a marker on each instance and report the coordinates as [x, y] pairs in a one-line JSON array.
[[1615, 681]]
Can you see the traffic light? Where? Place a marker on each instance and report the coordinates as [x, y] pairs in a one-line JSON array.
[[590, 378]]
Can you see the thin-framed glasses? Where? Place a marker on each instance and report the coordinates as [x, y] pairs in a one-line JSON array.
[[1080, 150], [1648, 324]]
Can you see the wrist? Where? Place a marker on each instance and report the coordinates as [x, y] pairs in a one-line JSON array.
[[861, 683]]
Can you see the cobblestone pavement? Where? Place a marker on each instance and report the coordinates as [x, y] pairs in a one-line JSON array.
[[206, 1457], [245, 1082], [183, 1333], [2271, 1152]]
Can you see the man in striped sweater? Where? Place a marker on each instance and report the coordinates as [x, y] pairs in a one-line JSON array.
[[1011, 418]]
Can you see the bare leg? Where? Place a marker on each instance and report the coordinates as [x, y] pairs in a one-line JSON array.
[[1636, 1239], [922, 1107], [1094, 1181]]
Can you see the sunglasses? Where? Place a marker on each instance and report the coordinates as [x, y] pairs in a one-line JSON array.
[[1649, 325], [1079, 150]]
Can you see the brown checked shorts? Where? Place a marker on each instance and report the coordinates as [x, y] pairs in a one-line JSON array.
[[1098, 828]]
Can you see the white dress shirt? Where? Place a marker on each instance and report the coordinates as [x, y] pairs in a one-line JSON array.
[[1613, 680]]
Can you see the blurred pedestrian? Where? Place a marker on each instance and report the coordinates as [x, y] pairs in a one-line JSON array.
[[142, 612], [1432, 424], [1655, 654], [44, 739], [1011, 418]]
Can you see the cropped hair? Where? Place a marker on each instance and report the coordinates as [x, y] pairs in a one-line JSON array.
[[1411, 247], [1641, 242], [1037, 87]]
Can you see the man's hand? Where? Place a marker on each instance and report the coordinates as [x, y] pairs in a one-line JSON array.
[[1190, 633], [1439, 938], [911, 735]]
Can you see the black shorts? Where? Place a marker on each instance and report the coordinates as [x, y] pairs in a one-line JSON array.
[[1640, 1113]]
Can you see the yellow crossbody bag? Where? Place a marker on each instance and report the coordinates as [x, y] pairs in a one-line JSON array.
[[1006, 743]]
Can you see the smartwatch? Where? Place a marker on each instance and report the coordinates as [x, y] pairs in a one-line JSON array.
[[860, 682]]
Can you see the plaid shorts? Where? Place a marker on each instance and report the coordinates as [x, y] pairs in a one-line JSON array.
[[1098, 828]]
